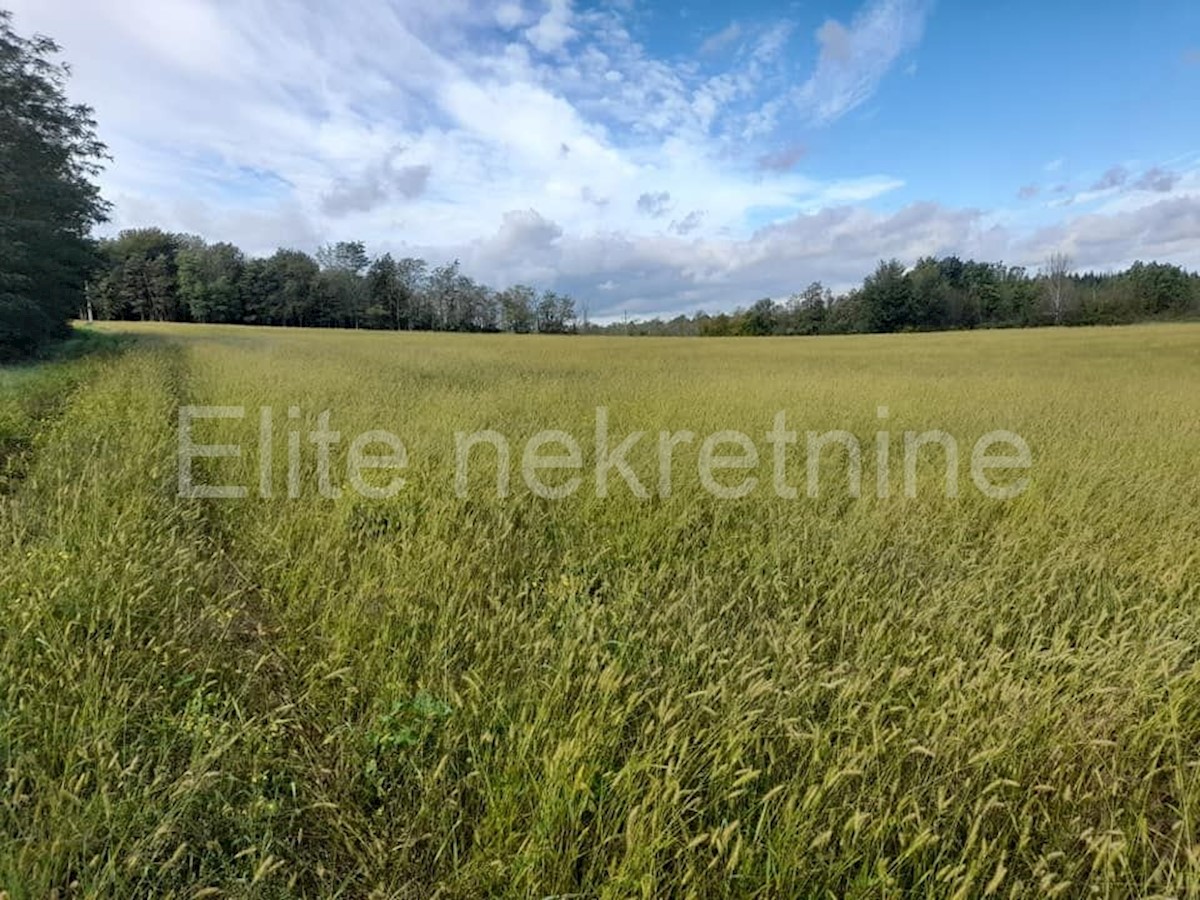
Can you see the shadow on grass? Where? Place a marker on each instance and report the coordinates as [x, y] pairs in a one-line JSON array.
[[34, 392]]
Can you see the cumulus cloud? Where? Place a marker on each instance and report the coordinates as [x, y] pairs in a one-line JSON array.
[[379, 183], [854, 59], [316, 98], [1028, 192], [669, 273], [525, 248], [1165, 229], [553, 30], [510, 15]]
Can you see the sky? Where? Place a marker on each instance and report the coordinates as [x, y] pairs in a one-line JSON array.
[[650, 158]]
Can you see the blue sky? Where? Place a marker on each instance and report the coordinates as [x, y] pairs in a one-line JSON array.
[[651, 157]]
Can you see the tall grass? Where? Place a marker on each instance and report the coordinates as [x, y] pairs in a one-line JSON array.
[[461, 697]]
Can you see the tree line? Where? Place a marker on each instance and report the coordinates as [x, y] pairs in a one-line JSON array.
[[948, 294], [153, 275]]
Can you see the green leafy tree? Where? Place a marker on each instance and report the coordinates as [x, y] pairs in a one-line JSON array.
[[140, 280], [805, 312], [341, 290], [291, 275], [719, 325], [554, 313], [887, 298], [761, 318], [210, 281], [348, 256], [49, 155], [517, 308], [930, 294], [1161, 288], [441, 290], [387, 302]]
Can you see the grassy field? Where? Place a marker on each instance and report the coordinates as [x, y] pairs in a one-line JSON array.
[[464, 696]]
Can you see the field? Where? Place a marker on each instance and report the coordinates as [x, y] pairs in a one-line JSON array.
[[452, 693]]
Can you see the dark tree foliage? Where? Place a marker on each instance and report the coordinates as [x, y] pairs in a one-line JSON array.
[[49, 155], [209, 278], [950, 293], [139, 278], [887, 298], [151, 274]]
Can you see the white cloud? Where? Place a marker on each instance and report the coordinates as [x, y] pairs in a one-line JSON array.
[[853, 60], [670, 273], [1120, 189], [721, 40], [379, 183], [510, 15], [553, 30]]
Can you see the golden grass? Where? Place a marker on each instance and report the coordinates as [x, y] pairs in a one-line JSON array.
[[609, 697]]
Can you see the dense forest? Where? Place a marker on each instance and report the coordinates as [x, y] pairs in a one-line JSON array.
[[949, 293], [151, 274]]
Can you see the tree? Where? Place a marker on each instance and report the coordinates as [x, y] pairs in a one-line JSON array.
[[346, 256], [339, 299], [887, 298], [1057, 274], [259, 286], [388, 303], [1160, 288], [566, 312], [931, 293], [481, 306], [291, 276], [210, 281], [148, 273], [807, 310], [140, 280], [1023, 299], [554, 313], [983, 294], [760, 319], [442, 291], [49, 155], [341, 292], [516, 308]]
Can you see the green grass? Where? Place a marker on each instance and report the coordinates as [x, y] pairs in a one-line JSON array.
[[462, 697], [31, 394]]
